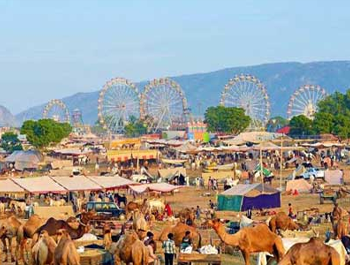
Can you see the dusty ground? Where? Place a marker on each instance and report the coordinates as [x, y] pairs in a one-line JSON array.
[[191, 197]]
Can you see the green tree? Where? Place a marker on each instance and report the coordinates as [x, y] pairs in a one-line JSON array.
[[44, 132], [301, 125], [135, 127], [226, 119], [333, 115], [276, 123], [10, 142]]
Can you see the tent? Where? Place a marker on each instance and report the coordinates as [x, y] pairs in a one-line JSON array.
[[111, 182], [334, 177], [39, 185], [249, 196], [167, 173], [77, 183], [301, 185], [25, 159], [254, 137], [8, 186]]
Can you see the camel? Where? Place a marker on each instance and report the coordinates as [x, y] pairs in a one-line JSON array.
[[186, 214], [2, 208], [179, 231], [18, 207], [65, 252], [311, 253], [130, 249], [27, 231], [156, 205], [52, 226], [9, 230], [139, 222], [340, 229], [43, 250], [281, 221], [54, 203], [132, 206], [249, 240]]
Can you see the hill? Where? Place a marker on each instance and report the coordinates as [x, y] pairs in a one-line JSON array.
[[204, 89], [6, 118]]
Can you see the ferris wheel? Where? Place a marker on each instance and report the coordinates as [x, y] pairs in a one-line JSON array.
[[249, 93], [118, 101], [164, 102], [304, 101], [56, 110]]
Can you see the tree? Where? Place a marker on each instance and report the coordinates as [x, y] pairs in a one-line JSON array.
[[276, 123], [10, 142], [226, 119], [301, 125], [333, 115], [44, 132], [135, 127]]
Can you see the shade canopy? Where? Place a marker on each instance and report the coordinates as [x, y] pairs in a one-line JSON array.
[[8, 186], [77, 183], [40, 185], [111, 182]]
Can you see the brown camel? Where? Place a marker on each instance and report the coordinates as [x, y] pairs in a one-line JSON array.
[[130, 249], [43, 250], [52, 226], [9, 230], [139, 221], [132, 206], [186, 214], [340, 229], [65, 252], [26, 231], [311, 253], [281, 221], [250, 240], [179, 231]]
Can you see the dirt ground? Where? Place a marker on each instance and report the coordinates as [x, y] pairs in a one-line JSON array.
[[192, 196]]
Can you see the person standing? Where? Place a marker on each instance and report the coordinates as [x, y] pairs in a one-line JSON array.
[[198, 213], [169, 249]]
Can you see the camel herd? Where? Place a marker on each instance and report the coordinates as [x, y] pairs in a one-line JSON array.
[[51, 241]]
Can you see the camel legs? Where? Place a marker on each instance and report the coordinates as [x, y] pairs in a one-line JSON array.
[[7, 248], [246, 256]]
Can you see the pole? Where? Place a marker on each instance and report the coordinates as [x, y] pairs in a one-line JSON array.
[[261, 169], [281, 164]]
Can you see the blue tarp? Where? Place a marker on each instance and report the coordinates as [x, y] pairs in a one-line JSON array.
[[263, 201]]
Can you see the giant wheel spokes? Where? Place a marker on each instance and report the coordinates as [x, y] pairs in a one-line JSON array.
[[57, 111], [164, 102], [118, 101], [249, 93], [304, 101]]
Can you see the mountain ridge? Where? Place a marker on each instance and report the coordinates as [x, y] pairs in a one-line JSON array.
[[204, 89]]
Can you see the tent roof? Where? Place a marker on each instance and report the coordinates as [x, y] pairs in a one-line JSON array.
[[160, 187], [71, 151], [31, 156], [254, 137], [249, 189], [170, 172], [8, 186], [111, 182], [334, 177], [39, 185], [77, 183], [300, 185]]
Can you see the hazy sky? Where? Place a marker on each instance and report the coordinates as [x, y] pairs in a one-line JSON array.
[[52, 49]]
